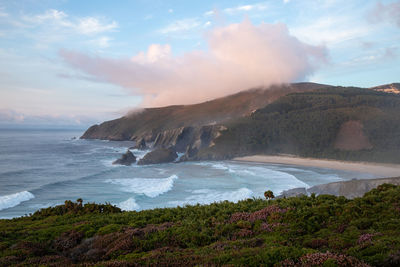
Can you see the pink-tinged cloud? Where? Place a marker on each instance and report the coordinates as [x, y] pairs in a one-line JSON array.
[[389, 12], [240, 56]]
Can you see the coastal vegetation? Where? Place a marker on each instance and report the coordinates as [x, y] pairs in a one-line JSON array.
[[309, 124], [303, 119], [299, 231], [148, 123]]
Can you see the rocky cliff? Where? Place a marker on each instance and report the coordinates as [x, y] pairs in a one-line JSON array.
[[304, 119], [348, 189], [185, 138], [192, 127], [393, 88]]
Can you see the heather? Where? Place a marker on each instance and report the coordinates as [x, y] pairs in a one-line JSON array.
[[299, 231]]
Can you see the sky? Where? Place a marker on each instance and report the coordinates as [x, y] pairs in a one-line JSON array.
[[71, 62]]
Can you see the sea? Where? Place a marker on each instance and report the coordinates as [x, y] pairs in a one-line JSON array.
[[44, 167]]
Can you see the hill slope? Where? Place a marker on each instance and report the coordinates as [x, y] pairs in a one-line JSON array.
[[338, 122], [393, 88], [150, 122]]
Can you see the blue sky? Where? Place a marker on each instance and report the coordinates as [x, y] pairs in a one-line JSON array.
[[80, 62]]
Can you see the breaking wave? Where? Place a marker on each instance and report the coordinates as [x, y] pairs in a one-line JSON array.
[[9, 201], [128, 205], [207, 196], [149, 187]]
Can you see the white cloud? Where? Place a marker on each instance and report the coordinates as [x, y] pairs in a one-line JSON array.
[[373, 57], [92, 25], [240, 56], [170, 10], [102, 42], [246, 8], [51, 17], [389, 12], [51, 14], [239, 9], [8, 115], [12, 117], [181, 25], [330, 30], [59, 19], [209, 13], [207, 24], [154, 53]]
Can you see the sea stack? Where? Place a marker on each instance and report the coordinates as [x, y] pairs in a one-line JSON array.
[[161, 155], [126, 159]]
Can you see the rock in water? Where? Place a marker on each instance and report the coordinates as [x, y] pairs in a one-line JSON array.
[[161, 155], [295, 192], [126, 159], [140, 144]]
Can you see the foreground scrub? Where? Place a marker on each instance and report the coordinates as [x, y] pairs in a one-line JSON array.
[[300, 231]]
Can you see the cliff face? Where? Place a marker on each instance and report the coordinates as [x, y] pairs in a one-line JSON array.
[[349, 189], [393, 88], [192, 127], [185, 138], [304, 119]]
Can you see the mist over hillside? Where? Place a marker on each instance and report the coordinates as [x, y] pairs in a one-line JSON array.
[[151, 121]]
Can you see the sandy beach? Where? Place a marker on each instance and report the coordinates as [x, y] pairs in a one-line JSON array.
[[379, 169]]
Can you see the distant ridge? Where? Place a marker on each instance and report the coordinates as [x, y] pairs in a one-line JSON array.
[[150, 122], [345, 123], [304, 119]]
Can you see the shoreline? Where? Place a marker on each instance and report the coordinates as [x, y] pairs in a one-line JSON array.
[[381, 170]]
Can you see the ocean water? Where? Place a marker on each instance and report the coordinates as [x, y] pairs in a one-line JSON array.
[[42, 168]]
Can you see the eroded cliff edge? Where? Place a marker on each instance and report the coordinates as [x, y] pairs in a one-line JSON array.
[[349, 189], [190, 128], [305, 119]]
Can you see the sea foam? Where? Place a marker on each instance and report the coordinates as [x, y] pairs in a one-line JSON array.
[[129, 204], [207, 196], [149, 187], [12, 200]]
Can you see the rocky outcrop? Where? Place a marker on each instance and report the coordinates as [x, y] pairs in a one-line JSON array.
[[188, 138], [353, 188], [160, 155], [293, 192], [126, 159], [149, 122], [190, 128], [178, 138], [140, 144], [393, 88], [349, 189]]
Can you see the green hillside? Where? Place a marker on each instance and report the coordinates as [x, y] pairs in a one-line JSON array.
[[149, 122], [308, 124], [301, 231]]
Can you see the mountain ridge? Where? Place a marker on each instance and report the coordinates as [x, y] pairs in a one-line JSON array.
[[151, 121], [345, 123], [305, 119]]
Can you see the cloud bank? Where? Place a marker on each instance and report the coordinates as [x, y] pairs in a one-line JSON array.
[[239, 56], [11, 117], [389, 12], [56, 18]]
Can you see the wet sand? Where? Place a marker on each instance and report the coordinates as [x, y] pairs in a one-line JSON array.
[[378, 169]]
